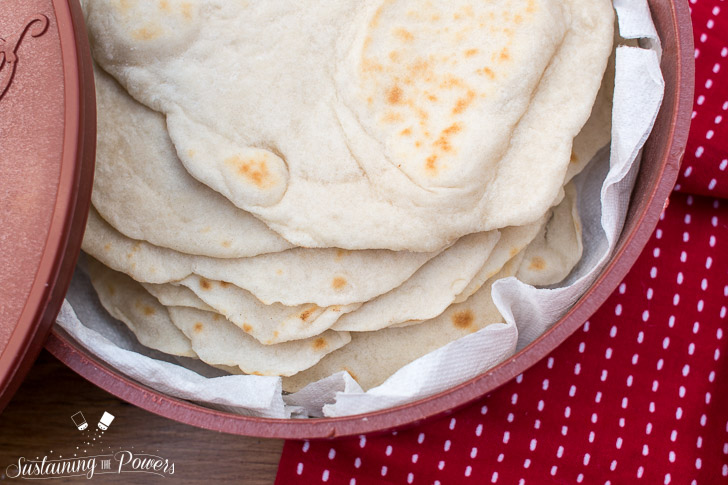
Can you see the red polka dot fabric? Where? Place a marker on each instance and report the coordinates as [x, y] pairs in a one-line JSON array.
[[637, 395]]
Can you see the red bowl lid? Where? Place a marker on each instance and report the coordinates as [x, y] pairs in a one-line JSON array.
[[47, 144]]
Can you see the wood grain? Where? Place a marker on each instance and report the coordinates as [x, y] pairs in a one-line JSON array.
[[38, 421]]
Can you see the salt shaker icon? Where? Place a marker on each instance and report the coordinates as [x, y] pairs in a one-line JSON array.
[[105, 421], [79, 421]]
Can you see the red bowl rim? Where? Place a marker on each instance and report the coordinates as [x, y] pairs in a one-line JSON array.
[[631, 245]]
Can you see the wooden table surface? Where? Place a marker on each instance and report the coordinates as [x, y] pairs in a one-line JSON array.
[[38, 421]]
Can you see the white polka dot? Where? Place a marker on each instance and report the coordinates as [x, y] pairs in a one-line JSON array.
[[468, 470], [564, 430], [306, 446], [667, 479], [357, 462], [652, 407], [708, 262], [623, 286], [619, 443], [421, 436], [645, 450], [707, 398], [630, 380], [683, 257], [587, 457], [591, 436], [527, 463], [501, 457], [701, 98], [648, 429], [577, 368], [671, 457], [711, 376], [635, 359], [680, 278], [411, 477], [388, 451], [625, 402], [352, 481], [598, 397], [299, 469], [698, 463], [608, 353], [325, 476], [699, 152], [510, 417], [332, 454], [640, 472], [723, 164], [384, 470], [699, 443], [703, 420], [553, 470], [724, 471], [567, 412], [506, 437], [722, 312], [613, 330], [550, 363], [474, 452], [681, 391], [650, 293], [519, 378], [645, 315], [696, 327], [537, 424], [586, 325], [666, 342], [440, 465], [653, 272], [478, 432], [686, 370], [494, 478], [580, 478], [453, 421], [514, 400], [560, 452], [545, 384], [594, 418], [660, 364], [613, 465], [540, 405], [362, 441], [484, 410], [604, 375], [673, 435], [716, 355], [416, 457], [582, 347], [709, 135], [678, 413]]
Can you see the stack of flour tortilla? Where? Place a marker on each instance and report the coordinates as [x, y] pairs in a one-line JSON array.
[[301, 188]]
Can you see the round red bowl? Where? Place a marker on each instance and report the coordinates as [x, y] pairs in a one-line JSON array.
[[658, 173]]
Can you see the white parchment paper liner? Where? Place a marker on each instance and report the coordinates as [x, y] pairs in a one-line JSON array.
[[604, 193]]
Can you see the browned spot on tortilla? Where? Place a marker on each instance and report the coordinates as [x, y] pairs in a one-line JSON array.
[[518, 19], [304, 315], [226, 244], [279, 272], [351, 373], [392, 117], [164, 5], [275, 334], [514, 251], [247, 328], [336, 308], [463, 320], [254, 170], [198, 327], [431, 164], [224, 284], [256, 373], [394, 56], [443, 143], [320, 343], [187, 10], [406, 132], [574, 158], [505, 54], [148, 311], [191, 153], [148, 32], [394, 95], [112, 289], [216, 317], [338, 283], [537, 264], [471, 52], [488, 72], [204, 284], [404, 35], [107, 247], [464, 103]]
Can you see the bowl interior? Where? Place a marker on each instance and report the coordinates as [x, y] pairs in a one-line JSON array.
[[658, 172]]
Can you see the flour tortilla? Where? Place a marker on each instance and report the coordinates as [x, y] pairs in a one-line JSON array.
[[127, 301], [372, 357], [429, 291], [142, 189], [219, 342], [299, 276], [174, 295], [252, 110], [558, 247], [269, 324]]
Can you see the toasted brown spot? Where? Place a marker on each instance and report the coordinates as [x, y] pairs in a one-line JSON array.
[[148, 311], [431, 163], [471, 52], [351, 373], [406, 132], [247, 328], [394, 56], [275, 334], [191, 153], [320, 343], [112, 289], [204, 284], [464, 103], [254, 170], [198, 327], [187, 10], [149, 32], [256, 373], [443, 143], [392, 117], [488, 72], [463, 320], [504, 54], [338, 283], [279, 272], [404, 35], [336, 308], [537, 264], [518, 19], [225, 284], [304, 315], [394, 95], [164, 5], [107, 247], [216, 317], [226, 244], [513, 252], [574, 157]]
